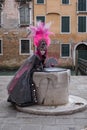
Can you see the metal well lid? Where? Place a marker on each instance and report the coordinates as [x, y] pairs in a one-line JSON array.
[[54, 69]]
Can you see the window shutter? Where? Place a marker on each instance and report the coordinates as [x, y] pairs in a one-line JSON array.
[[65, 50], [65, 1], [65, 24], [81, 5], [82, 24], [40, 1], [25, 47]]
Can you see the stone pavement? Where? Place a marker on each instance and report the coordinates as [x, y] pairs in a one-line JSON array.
[[11, 119]]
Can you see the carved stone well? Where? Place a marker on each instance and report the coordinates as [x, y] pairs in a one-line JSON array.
[[52, 86], [53, 95]]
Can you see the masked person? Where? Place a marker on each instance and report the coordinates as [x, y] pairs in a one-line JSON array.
[[21, 89]]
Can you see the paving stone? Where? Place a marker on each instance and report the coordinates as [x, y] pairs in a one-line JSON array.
[[11, 119], [65, 121], [11, 127], [50, 127], [80, 121], [31, 127]]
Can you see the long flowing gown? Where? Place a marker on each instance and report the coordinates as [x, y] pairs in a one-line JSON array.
[[21, 89]]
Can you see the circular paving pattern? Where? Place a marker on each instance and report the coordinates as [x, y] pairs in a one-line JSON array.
[[75, 104]]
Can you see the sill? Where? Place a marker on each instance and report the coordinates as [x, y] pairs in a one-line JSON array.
[[65, 57], [65, 33], [66, 4], [82, 12], [40, 3], [23, 25], [82, 32], [24, 54]]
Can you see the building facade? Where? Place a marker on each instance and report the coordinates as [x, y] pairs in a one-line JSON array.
[[15, 17], [69, 24]]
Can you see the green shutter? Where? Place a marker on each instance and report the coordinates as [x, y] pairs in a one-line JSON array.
[[81, 5], [82, 24], [40, 1], [65, 24], [65, 1], [65, 50]]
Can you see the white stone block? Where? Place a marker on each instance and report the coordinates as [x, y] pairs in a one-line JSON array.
[[52, 87]]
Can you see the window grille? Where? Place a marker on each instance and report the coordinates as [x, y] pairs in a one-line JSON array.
[[65, 50], [25, 47]]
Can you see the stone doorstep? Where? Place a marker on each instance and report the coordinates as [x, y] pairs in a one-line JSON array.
[[74, 105]]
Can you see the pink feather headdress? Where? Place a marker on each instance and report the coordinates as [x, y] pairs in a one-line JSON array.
[[40, 32]]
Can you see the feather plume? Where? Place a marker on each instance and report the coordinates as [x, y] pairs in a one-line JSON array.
[[39, 32]]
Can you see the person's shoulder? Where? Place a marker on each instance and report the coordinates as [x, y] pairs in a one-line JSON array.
[[32, 57]]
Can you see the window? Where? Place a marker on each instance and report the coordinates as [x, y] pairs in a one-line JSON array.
[[65, 1], [40, 1], [0, 13], [82, 5], [0, 47], [24, 15], [0, 18], [40, 18], [25, 46], [65, 24], [82, 23], [65, 50]]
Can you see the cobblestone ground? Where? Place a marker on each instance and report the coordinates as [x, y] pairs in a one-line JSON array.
[[11, 119]]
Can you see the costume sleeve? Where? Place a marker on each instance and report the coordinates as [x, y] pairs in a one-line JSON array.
[[36, 65]]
